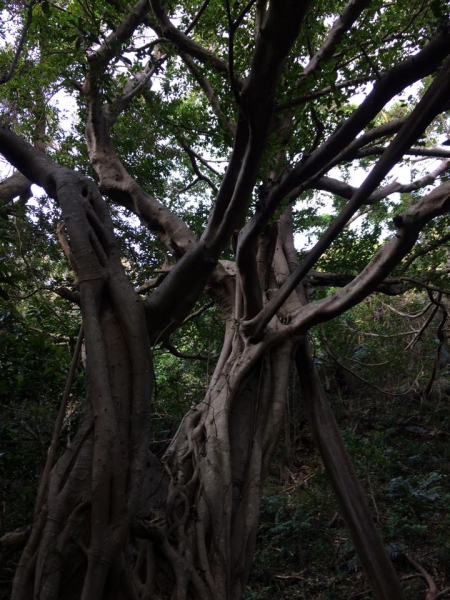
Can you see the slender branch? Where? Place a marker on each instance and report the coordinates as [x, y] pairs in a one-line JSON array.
[[432, 589], [59, 423], [408, 316], [197, 171], [243, 13], [441, 339], [362, 379], [231, 31], [171, 348], [203, 161], [198, 312], [196, 19], [323, 92], [425, 250], [210, 94], [26, 26], [183, 42], [342, 24]]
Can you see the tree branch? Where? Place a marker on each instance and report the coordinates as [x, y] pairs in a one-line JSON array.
[[323, 92], [196, 19], [375, 150], [210, 94], [432, 103], [413, 220], [200, 175], [340, 188], [342, 24], [8, 75], [183, 42]]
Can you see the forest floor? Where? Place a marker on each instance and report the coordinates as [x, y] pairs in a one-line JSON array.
[[401, 451]]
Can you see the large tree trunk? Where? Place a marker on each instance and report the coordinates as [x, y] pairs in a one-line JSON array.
[[99, 535], [217, 463]]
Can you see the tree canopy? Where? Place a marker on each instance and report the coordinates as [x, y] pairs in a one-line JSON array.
[[220, 183]]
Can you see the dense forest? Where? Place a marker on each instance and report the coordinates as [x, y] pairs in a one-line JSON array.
[[224, 295]]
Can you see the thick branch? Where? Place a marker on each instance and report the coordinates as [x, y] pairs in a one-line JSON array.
[[425, 62], [14, 186], [433, 102], [281, 27], [411, 222], [111, 46], [183, 42]]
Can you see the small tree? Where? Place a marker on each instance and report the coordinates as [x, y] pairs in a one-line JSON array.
[[270, 86]]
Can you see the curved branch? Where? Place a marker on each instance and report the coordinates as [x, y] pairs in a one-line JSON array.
[[111, 46], [210, 94], [200, 175], [184, 43], [171, 348]]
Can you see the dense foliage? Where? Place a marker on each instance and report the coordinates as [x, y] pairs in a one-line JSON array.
[[221, 189]]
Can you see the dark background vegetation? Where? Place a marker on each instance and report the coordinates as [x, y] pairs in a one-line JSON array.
[[376, 363]]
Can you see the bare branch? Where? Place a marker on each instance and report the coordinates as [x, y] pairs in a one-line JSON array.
[[210, 94], [171, 348], [196, 19], [323, 92], [26, 26], [342, 24]]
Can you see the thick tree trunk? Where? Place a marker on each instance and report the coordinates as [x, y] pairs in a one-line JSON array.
[[97, 535], [218, 462]]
